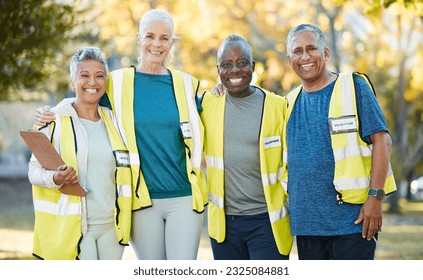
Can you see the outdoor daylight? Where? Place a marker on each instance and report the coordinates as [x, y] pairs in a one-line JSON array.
[[195, 131]]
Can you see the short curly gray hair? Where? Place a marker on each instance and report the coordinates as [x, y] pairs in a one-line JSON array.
[[87, 53]]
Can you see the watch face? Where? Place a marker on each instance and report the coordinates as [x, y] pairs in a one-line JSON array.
[[380, 194]]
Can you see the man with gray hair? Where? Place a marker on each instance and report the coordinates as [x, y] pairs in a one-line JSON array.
[[337, 143]]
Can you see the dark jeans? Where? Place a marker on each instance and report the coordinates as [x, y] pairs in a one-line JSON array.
[[248, 237], [343, 247]]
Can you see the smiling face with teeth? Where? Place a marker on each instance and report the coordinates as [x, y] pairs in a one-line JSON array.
[[156, 41], [235, 67], [90, 81], [308, 59]]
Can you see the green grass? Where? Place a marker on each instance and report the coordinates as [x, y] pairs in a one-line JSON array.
[[402, 235]]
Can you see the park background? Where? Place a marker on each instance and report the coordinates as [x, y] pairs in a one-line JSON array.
[[382, 38]]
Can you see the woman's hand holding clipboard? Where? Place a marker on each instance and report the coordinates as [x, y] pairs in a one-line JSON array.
[[48, 157]]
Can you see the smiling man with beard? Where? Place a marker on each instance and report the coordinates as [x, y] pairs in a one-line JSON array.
[[247, 214]]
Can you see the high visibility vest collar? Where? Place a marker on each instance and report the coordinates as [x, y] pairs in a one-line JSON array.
[[121, 95], [270, 166], [352, 155], [59, 217]]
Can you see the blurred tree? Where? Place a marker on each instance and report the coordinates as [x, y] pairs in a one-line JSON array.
[[376, 7], [388, 46], [201, 26], [118, 21], [407, 97], [331, 9], [32, 32], [380, 38], [84, 32]]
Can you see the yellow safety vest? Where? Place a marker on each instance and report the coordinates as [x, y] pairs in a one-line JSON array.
[[120, 90], [270, 165], [353, 156], [58, 217]]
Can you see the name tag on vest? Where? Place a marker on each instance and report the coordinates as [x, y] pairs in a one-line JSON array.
[[273, 141], [186, 130], [344, 124], [122, 158]]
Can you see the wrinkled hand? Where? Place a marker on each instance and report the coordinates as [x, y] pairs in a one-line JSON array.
[[218, 90], [371, 217], [65, 175], [44, 116]]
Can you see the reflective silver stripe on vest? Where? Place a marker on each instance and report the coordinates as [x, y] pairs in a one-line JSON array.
[[218, 201], [194, 121], [290, 97], [61, 208], [214, 162], [285, 157], [352, 183], [348, 106], [124, 190], [270, 179], [134, 159], [285, 185], [278, 214], [117, 94], [352, 151], [356, 183], [353, 148]]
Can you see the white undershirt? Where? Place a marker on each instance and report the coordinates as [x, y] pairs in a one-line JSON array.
[[100, 174]]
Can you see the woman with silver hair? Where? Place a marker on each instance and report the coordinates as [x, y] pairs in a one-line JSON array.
[[93, 224], [156, 111]]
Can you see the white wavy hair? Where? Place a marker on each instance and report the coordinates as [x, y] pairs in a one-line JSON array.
[[157, 15]]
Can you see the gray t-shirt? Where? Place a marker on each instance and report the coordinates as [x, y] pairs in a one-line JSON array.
[[101, 168], [243, 186]]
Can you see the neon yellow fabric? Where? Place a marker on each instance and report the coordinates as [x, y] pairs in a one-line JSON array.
[[58, 217], [123, 210], [352, 155], [270, 165], [120, 90], [57, 233]]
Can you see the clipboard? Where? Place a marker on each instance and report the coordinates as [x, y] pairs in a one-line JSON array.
[[48, 157]]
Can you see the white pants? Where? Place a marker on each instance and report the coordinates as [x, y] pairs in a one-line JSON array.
[[169, 230], [100, 243]]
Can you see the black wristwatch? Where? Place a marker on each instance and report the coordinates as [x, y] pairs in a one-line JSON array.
[[378, 193]]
